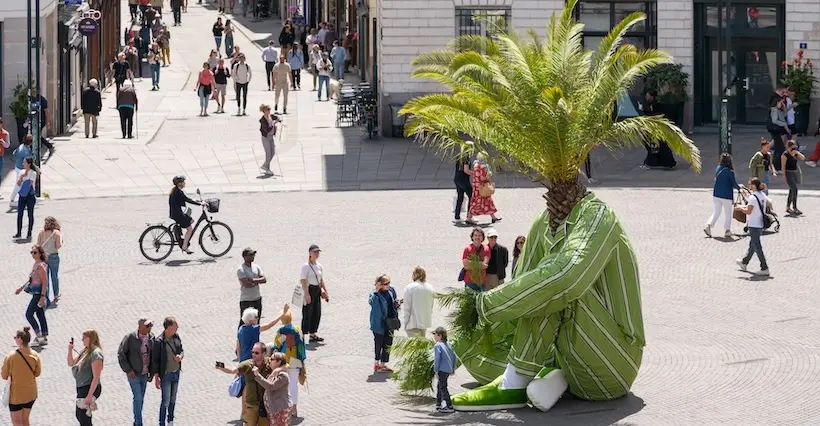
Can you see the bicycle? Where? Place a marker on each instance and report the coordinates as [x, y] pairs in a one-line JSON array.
[[163, 238]]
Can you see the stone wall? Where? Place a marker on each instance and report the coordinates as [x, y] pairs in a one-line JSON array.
[[803, 26], [676, 36]]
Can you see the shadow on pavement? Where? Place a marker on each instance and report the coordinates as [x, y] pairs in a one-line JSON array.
[[274, 23]]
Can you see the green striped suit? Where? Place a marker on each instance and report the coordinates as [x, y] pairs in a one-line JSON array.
[[574, 303]]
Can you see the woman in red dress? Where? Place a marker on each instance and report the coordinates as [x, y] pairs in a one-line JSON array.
[[481, 205]]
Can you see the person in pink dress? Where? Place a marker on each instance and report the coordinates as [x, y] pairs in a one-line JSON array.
[[481, 205]]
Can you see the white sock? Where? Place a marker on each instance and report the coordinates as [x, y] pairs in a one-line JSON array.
[[513, 380]]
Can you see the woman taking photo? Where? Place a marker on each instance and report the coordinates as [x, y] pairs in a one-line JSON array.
[[51, 240], [519, 247], [722, 196], [792, 175], [475, 248], [22, 366], [204, 88], [277, 397], [481, 205], [384, 307], [27, 182], [37, 286], [267, 129], [289, 341], [177, 204], [86, 367]]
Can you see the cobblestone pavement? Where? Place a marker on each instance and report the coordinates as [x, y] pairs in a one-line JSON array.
[[721, 348]]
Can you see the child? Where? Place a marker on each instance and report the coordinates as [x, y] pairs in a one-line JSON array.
[[444, 365]]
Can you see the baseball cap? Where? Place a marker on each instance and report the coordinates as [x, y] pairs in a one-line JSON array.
[[145, 321], [441, 331], [492, 233], [248, 251], [314, 247]]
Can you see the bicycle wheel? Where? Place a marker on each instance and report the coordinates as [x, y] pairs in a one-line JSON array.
[[156, 243], [218, 236]]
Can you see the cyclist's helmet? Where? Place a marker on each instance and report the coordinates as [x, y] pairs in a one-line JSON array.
[[178, 179]]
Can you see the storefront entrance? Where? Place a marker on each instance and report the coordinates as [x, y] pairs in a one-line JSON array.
[[757, 50]]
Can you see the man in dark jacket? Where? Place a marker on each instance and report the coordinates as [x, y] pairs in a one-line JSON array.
[[176, 7], [499, 258], [91, 103], [166, 364], [134, 356]]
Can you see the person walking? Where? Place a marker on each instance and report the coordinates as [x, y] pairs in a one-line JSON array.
[[311, 277], [154, 64], [296, 60], [204, 88], [37, 286], [761, 165], [176, 8], [314, 56], [166, 363], [463, 186], [270, 56], [267, 129], [51, 240], [722, 196], [127, 104], [384, 306], [87, 369], [324, 68], [475, 248], [27, 181], [517, 250], [241, 77], [252, 394], [418, 300], [134, 356], [755, 210], [286, 38], [164, 41], [221, 76], [337, 55], [778, 128], [482, 204], [133, 57], [91, 104], [213, 59], [444, 364], [229, 30], [277, 396], [250, 276], [122, 71], [20, 154], [499, 259], [282, 80], [132, 9], [288, 340], [792, 175], [21, 367]]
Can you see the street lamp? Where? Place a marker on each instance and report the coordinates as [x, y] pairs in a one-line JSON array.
[[34, 44], [725, 139]]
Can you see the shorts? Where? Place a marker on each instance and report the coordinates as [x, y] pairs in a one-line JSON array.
[[221, 89], [19, 407]]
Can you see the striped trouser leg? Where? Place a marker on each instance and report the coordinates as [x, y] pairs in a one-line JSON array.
[[534, 344], [483, 363]]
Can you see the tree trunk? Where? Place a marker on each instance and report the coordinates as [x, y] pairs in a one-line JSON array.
[[561, 199]]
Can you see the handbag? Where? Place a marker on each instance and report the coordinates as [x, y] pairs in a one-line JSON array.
[[237, 386], [4, 398], [393, 323], [486, 189], [462, 274], [298, 298]]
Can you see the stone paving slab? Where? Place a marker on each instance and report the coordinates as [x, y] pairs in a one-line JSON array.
[[721, 349]]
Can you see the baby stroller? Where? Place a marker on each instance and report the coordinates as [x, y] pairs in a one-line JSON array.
[[742, 196]]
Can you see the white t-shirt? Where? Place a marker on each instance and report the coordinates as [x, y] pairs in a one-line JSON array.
[[320, 37], [249, 294], [789, 111], [311, 273], [325, 67], [755, 220]]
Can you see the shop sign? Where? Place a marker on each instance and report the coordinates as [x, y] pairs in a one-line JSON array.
[[87, 27], [92, 13]]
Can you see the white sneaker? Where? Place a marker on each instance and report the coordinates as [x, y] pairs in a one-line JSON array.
[[728, 234], [741, 265], [762, 273], [708, 231], [43, 340], [811, 163]]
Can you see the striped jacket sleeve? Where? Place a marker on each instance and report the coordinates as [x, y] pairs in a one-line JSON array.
[[561, 277]]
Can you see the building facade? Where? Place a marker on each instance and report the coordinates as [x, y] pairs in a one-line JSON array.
[[764, 33]]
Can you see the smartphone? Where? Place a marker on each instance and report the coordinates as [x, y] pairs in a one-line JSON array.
[[220, 364], [72, 341]]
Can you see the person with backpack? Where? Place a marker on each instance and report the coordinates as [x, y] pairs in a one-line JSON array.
[[761, 165], [241, 78], [755, 210]]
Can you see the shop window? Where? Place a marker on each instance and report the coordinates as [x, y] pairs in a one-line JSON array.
[[599, 17], [483, 22], [743, 17]]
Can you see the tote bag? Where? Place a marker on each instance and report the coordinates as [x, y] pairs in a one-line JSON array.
[[4, 398]]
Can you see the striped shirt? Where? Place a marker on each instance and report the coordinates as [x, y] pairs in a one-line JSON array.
[[580, 288]]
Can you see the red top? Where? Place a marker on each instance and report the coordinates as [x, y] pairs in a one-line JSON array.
[[484, 254], [205, 77]]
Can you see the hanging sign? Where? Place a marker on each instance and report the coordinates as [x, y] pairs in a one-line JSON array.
[[92, 13], [87, 27]]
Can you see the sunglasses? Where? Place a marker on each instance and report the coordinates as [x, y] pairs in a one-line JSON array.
[[34, 252], [256, 353]]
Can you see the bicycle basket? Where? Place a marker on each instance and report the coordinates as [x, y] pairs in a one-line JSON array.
[[212, 205]]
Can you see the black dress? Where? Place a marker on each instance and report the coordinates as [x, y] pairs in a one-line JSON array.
[[176, 204]]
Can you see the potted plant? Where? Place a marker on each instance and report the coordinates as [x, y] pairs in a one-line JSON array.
[[20, 108], [670, 81], [799, 75]]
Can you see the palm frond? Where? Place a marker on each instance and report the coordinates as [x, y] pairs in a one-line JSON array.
[[414, 368]]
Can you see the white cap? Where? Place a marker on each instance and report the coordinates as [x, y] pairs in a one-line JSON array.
[[492, 233]]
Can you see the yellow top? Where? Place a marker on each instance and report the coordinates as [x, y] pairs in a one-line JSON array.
[[23, 387]]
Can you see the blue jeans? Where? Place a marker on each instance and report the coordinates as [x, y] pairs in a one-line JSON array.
[[324, 79], [755, 248], [32, 310], [767, 178], [170, 384], [339, 69], [218, 41], [138, 385], [53, 262], [155, 74], [203, 98]]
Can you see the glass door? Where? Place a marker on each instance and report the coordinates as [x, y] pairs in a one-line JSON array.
[[759, 63]]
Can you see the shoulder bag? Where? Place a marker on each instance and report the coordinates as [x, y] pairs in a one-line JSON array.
[[237, 386], [392, 323], [4, 399]]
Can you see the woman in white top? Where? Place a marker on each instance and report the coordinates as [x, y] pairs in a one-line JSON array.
[[418, 304], [51, 239], [755, 210], [26, 181], [313, 287]]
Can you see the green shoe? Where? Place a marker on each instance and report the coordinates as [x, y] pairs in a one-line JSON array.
[[490, 398]]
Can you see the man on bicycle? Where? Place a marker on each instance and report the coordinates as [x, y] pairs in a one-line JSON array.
[[177, 205]]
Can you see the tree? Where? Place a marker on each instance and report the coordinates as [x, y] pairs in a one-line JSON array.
[[542, 105]]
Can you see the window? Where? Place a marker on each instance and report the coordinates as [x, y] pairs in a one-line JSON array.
[[483, 22], [599, 17]]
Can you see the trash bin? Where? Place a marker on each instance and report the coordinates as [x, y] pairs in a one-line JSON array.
[[397, 128]]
